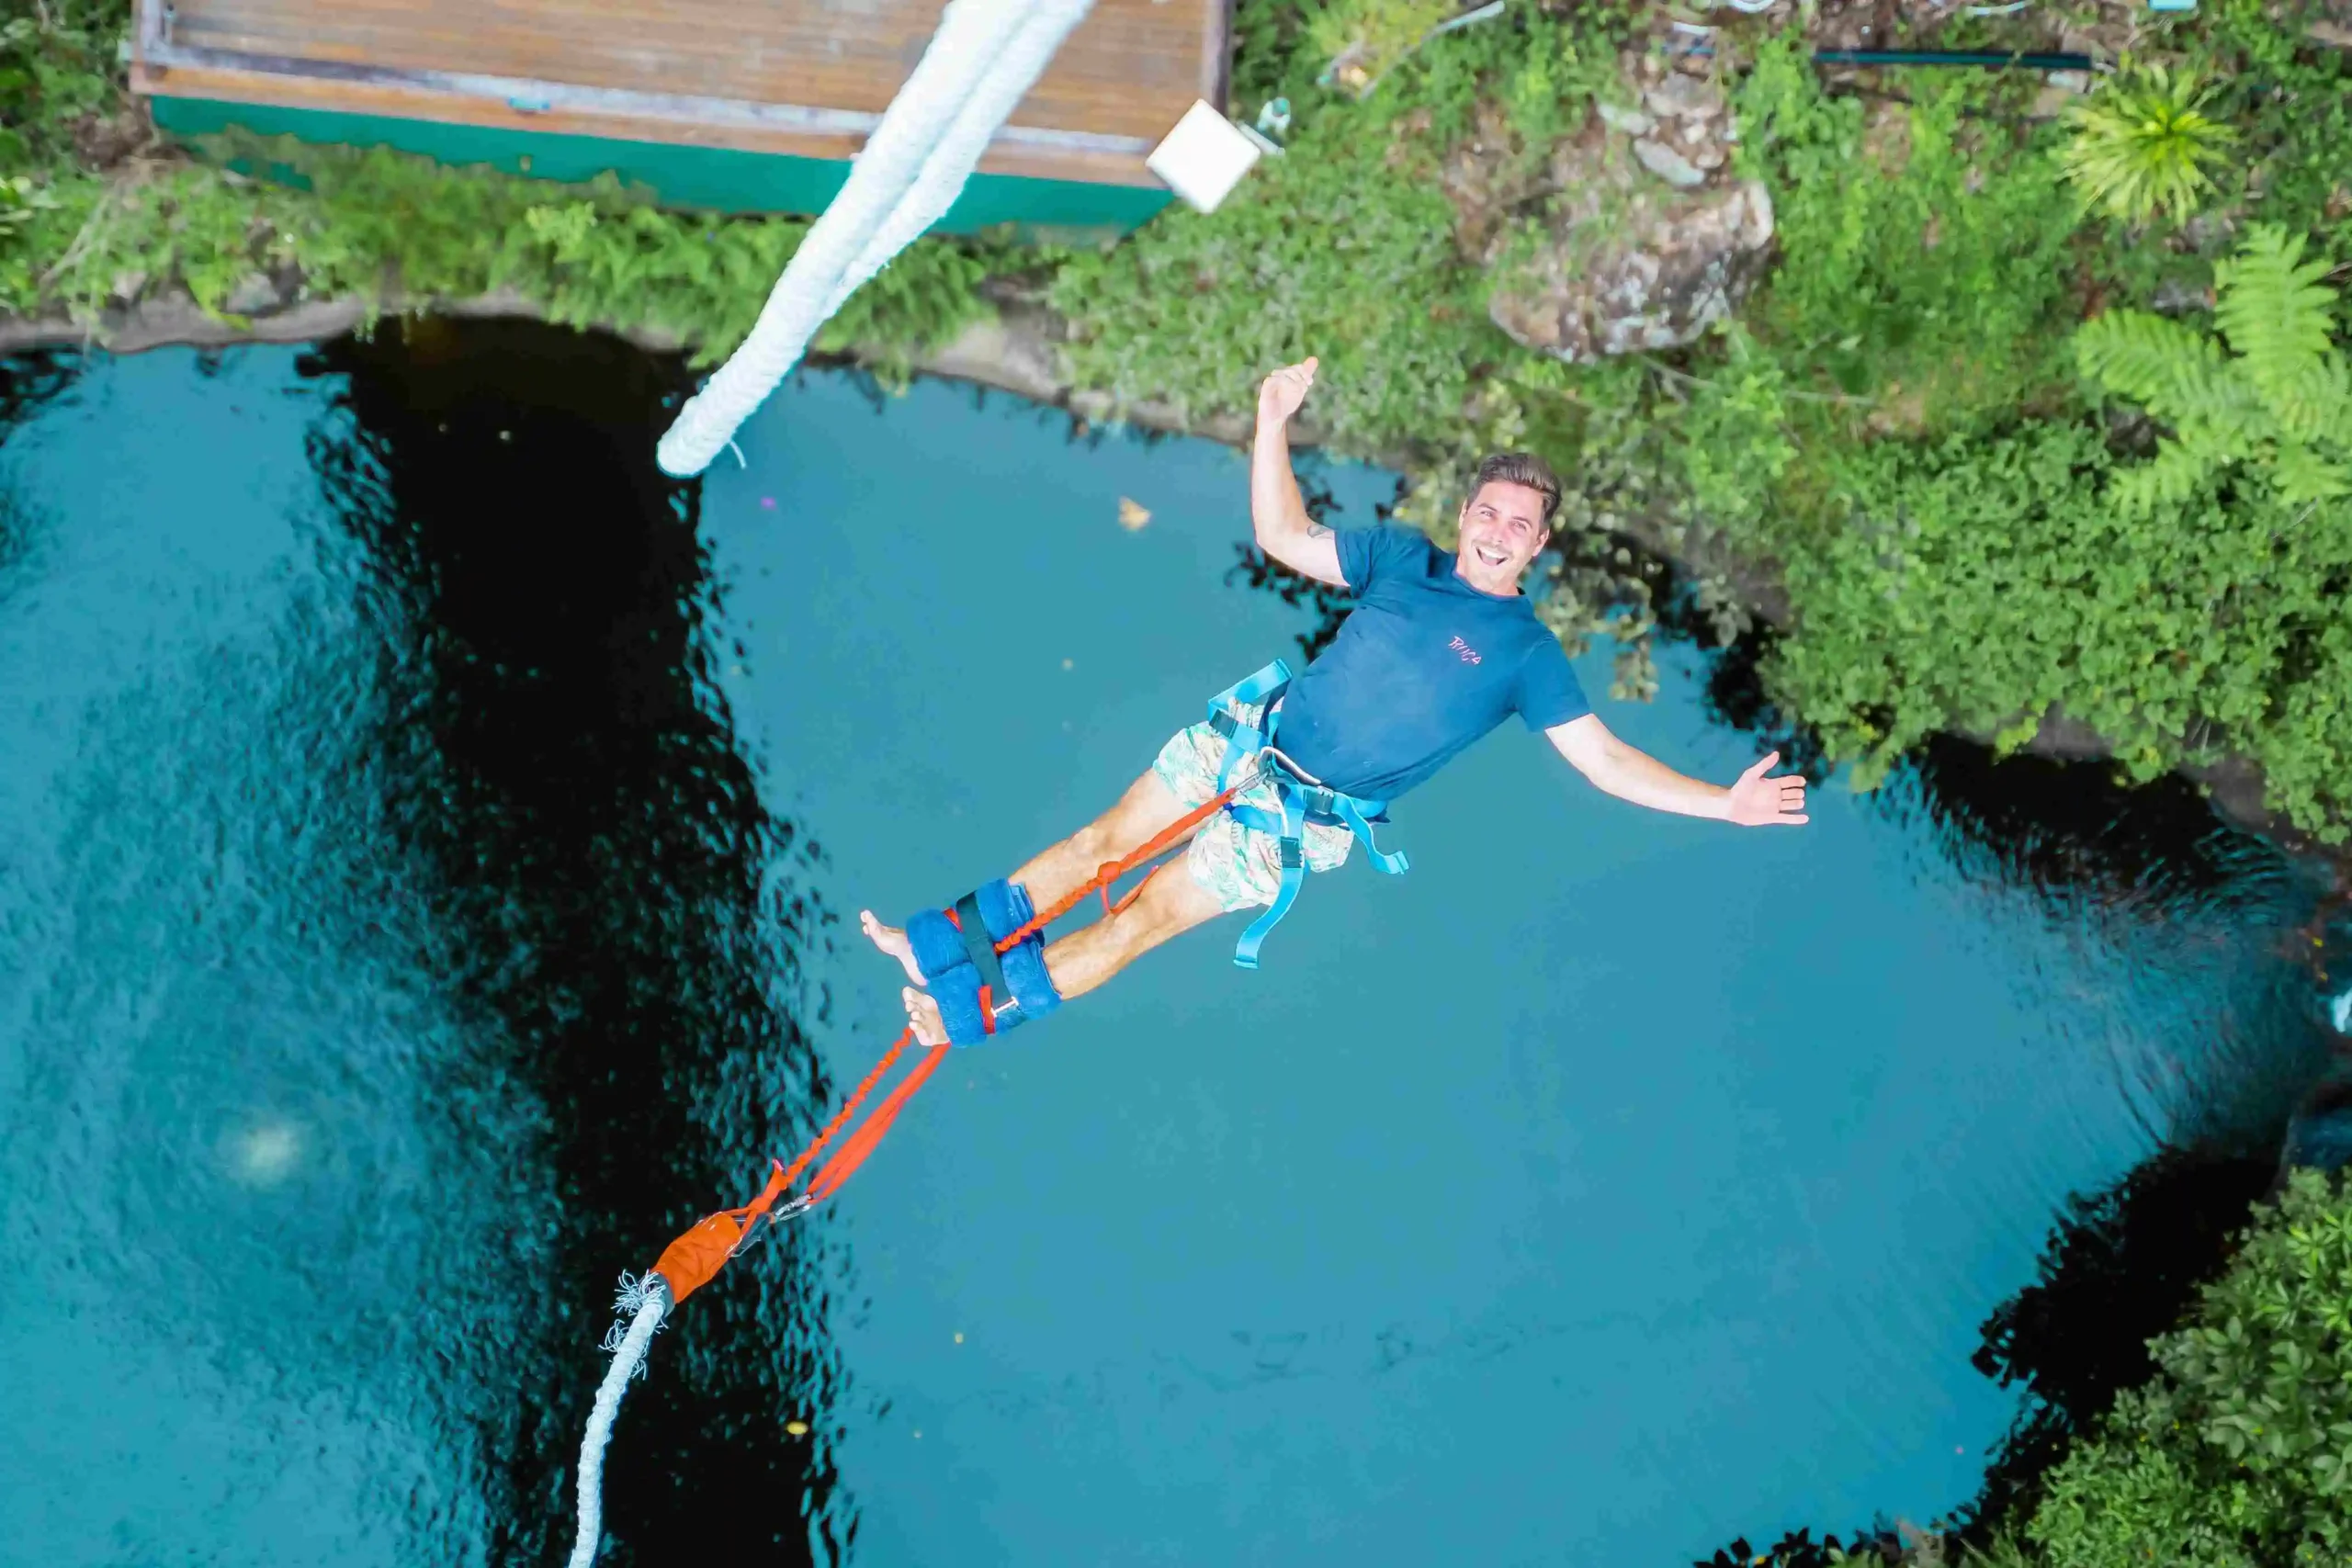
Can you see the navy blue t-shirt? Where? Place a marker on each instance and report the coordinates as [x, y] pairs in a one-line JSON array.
[[1424, 666]]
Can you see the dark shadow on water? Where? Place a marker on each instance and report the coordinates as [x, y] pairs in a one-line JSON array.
[[2122, 1267], [2062, 826], [609, 892], [1257, 569], [29, 381], [2077, 830]]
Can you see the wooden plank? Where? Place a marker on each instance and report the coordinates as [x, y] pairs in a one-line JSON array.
[[1130, 70], [1031, 161]]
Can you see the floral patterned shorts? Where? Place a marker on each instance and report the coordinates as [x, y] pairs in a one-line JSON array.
[[1243, 866]]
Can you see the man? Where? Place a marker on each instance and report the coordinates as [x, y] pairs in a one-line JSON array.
[[1440, 649]]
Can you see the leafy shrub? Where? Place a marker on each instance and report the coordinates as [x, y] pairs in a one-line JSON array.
[[2142, 143], [1344, 247], [1364, 39], [54, 75], [1923, 257], [2291, 99], [1326, 251], [374, 223], [2003, 562], [1982, 583]]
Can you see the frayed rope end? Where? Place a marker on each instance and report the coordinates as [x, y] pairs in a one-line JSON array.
[[637, 1292]]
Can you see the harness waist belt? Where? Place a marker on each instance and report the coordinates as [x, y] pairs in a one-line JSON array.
[[1301, 800]]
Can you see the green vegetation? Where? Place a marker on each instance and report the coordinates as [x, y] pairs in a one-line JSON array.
[[1365, 42], [1968, 542], [1926, 251]]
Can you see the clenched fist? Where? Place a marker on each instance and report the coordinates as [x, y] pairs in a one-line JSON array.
[[1280, 394]]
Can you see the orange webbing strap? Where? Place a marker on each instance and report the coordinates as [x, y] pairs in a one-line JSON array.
[[906, 1038], [689, 1262], [836, 1170]]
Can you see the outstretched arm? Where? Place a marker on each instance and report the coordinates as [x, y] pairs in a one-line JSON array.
[[1277, 513], [1632, 774]]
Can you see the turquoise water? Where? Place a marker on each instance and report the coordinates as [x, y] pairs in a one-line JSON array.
[[429, 856]]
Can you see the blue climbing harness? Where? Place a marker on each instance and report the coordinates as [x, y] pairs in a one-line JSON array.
[[1303, 799]]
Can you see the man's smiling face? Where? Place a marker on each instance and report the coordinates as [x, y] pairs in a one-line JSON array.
[[1502, 531]]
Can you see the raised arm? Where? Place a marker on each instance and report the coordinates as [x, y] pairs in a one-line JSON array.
[[1632, 774], [1277, 514]]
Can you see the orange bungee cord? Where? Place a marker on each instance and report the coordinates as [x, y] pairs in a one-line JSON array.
[[694, 1257]]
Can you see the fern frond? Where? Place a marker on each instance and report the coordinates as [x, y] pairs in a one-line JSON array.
[[2303, 475], [2165, 368], [2317, 405], [2166, 479], [2277, 313]]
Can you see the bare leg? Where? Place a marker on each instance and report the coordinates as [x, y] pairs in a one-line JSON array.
[[1148, 806], [1171, 904]]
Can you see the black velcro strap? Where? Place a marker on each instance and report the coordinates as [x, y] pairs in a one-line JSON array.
[[1224, 723], [1294, 855], [982, 947]]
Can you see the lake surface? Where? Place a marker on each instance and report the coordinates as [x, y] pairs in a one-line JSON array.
[[430, 850]]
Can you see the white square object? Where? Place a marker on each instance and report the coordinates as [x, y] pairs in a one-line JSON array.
[[1204, 158]]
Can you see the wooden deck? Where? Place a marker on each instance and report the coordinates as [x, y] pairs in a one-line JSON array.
[[805, 77]]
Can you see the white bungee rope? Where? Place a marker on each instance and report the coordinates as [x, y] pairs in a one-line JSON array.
[[978, 66], [649, 1300]]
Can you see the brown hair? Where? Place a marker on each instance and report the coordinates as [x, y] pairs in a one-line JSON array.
[[1519, 468]]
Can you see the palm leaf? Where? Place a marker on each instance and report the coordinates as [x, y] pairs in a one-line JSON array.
[[2142, 143]]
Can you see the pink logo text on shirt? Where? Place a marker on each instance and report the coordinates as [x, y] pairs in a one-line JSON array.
[[1469, 654]]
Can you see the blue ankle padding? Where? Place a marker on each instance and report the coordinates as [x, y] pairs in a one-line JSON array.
[[957, 992], [938, 945], [947, 964]]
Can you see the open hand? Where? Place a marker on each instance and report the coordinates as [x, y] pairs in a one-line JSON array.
[[1280, 394], [1757, 799]]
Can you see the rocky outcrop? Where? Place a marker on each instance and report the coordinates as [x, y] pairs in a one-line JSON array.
[[1631, 235]]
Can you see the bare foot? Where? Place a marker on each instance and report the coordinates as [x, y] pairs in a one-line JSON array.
[[892, 940], [922, 1016]]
